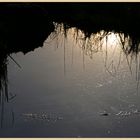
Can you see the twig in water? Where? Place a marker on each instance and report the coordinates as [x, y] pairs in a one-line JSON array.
[[14, 61]]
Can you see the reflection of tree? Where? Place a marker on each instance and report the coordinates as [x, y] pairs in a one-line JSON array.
[[5, 96], [94, 42], [115, 47], [3, 84]]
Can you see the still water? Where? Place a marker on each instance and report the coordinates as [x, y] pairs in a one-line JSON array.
[[74, 86]]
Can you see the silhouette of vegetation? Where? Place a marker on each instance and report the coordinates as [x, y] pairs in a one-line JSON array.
[[106, 42], [3, 84], [25, 26]]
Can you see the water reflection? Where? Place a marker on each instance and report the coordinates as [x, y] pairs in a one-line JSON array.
[[3, 85], [5, 96], [115, 47], [107, 59]]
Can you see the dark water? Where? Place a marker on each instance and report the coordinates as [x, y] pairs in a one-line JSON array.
[[73, 87]]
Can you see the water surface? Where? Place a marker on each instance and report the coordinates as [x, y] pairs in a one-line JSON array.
[[74, 86]]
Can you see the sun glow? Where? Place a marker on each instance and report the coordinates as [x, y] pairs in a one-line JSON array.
[[112, 38], [96, 42]]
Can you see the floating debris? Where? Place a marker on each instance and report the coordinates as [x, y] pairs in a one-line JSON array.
[[104, 113], [122, 113], [119, 113], [128, 113], [43, 116], [136, 111], [99, 85]]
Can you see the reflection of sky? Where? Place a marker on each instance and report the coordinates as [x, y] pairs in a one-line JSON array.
[[78, 79], [113, 46]]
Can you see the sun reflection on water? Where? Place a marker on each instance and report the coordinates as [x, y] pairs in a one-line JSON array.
[[115, 48]]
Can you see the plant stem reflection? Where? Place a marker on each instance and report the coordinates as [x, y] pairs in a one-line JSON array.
[[115, 48]]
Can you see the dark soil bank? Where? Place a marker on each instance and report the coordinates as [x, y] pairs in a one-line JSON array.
[[24, 26]]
